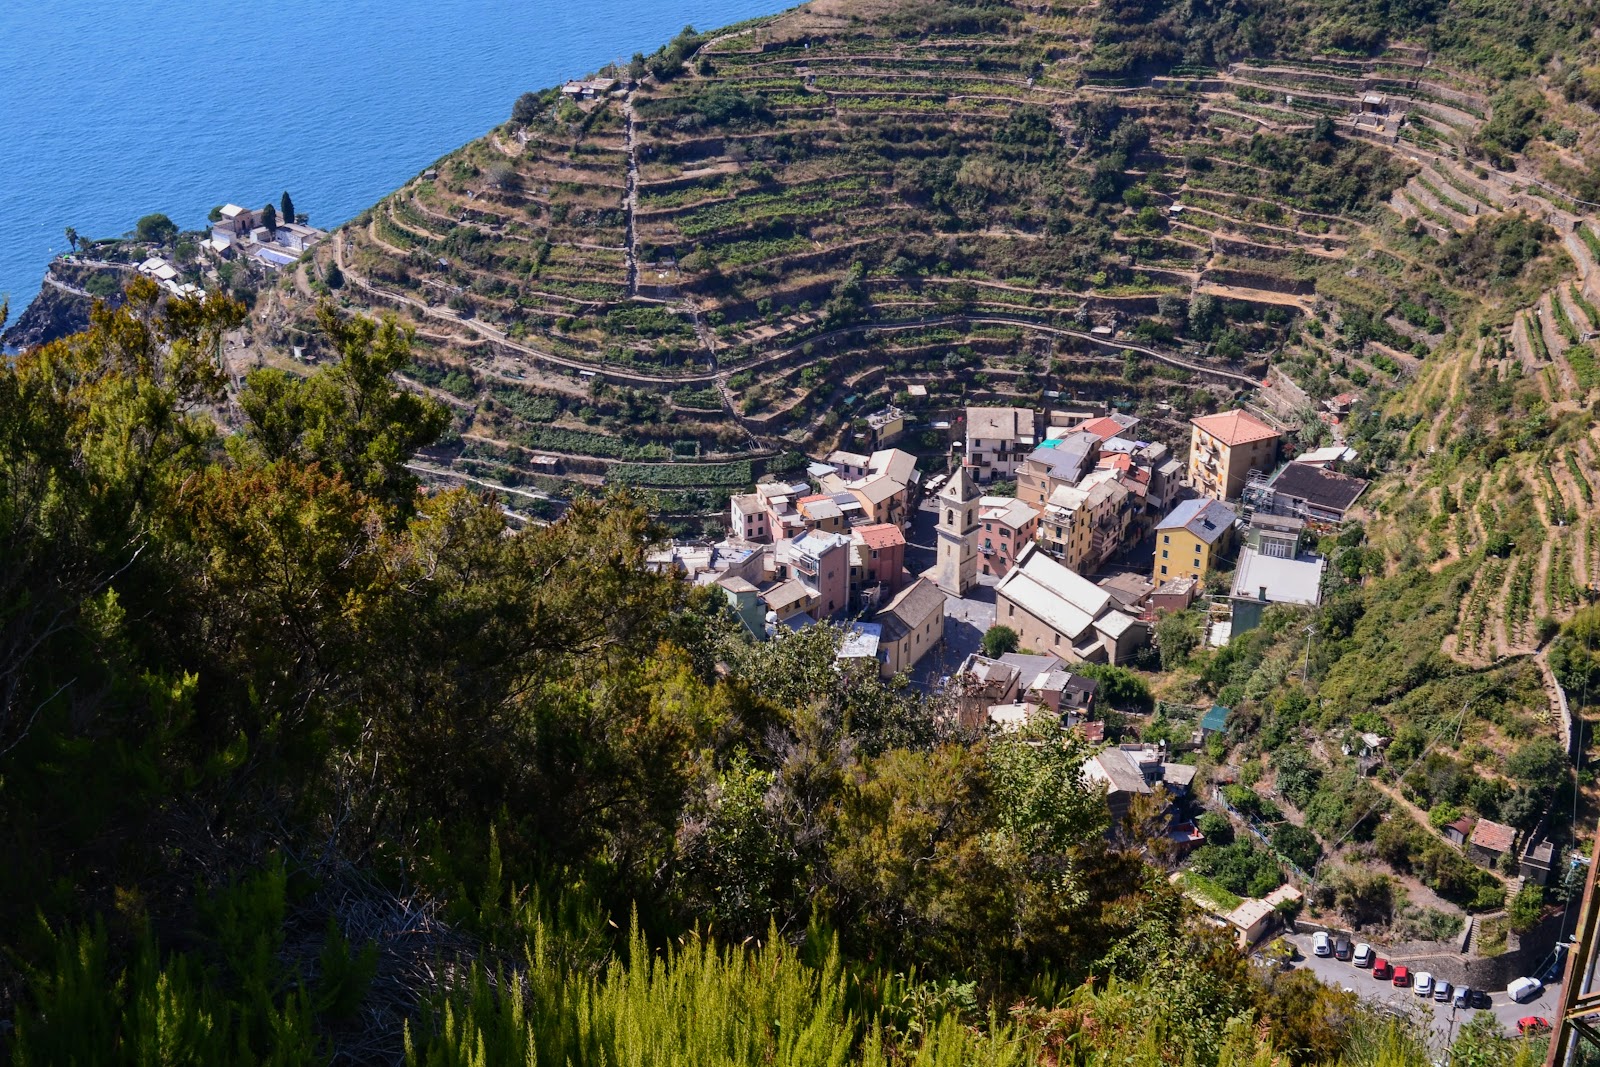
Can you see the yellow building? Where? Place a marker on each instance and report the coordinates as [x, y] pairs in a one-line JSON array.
[[1224, 449], [1191, 539]]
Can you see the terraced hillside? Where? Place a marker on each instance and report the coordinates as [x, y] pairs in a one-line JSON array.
[[759, 234]]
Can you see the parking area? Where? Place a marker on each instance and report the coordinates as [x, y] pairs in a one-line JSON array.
[[1443, 1020]]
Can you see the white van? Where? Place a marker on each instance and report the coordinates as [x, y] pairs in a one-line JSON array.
[[1524, 989], [1424, 986]]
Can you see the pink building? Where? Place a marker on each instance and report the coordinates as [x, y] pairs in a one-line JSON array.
[[1006, 527], [750, 521], [882, 550], [821, 561]]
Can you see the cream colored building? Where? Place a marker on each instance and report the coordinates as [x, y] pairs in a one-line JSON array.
[[1057, 611], [913, 626], [1083, 525], [956, 568], [998, 440], [1224, 449]]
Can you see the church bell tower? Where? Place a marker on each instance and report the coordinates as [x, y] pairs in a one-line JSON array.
[[956, 571]]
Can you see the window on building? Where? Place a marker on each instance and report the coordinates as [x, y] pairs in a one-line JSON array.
[[1011, 610], [1163, 553], [1163, 569], [1196, 564], [1166, 539]]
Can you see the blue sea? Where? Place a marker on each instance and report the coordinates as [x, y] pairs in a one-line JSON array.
[[110, 111]]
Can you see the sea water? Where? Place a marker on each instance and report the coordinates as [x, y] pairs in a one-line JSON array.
[[111, 111]]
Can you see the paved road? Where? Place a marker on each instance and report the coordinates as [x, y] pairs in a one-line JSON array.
[[1443, 1020]]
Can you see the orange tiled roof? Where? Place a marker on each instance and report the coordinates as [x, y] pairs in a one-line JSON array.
[[1235, 427], [880, 535], [1104, 427]]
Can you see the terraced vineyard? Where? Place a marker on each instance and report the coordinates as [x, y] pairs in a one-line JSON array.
[[761, 234]]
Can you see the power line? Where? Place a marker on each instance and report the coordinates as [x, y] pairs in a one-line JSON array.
[[1315, 871]]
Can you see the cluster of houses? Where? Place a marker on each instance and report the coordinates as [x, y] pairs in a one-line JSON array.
[[240, 231], [828, 548], [1086, 478], [169, 278], [1088, 488], [832, 547]]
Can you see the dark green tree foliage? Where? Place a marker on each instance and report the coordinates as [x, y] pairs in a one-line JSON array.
[[1497, 250], [1515, 119], [218, 650], [286, 208], [667, 63], [350, 420], [999, 640], [526, 108], [269, 218], [156, 229]]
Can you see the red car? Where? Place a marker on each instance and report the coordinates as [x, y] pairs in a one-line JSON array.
[[1380, 969], [1533, 1024], [1402, 976]]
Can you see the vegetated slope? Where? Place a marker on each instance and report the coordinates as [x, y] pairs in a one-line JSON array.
[[780, 225], [951, 185], [300, 765]]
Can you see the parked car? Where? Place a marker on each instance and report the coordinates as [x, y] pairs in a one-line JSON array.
[[1480, 999], [1424, 984], [1533, 1024], [1364, 955], [1524, 989], [1442, 991], [1557, 960], [1402, 976], [1464, 997], [1380, 969], [1321, 943], [1342, 949]]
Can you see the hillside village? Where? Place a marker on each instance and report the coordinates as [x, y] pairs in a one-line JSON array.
[[1074, 537], [1231, 428]]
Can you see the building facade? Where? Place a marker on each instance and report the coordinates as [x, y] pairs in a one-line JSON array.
[[998, 440], [913, 626], [1008, 526], [1224, 449], [1192, 538], [956, 566]]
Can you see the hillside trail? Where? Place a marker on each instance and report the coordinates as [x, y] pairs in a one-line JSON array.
[[631, 197]]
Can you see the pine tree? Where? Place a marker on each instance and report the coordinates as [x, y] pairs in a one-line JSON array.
[[286, 208]]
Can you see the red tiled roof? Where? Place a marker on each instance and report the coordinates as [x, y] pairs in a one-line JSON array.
[[1103, 427], [880, 535], [1492, 836], [1235, 427]]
